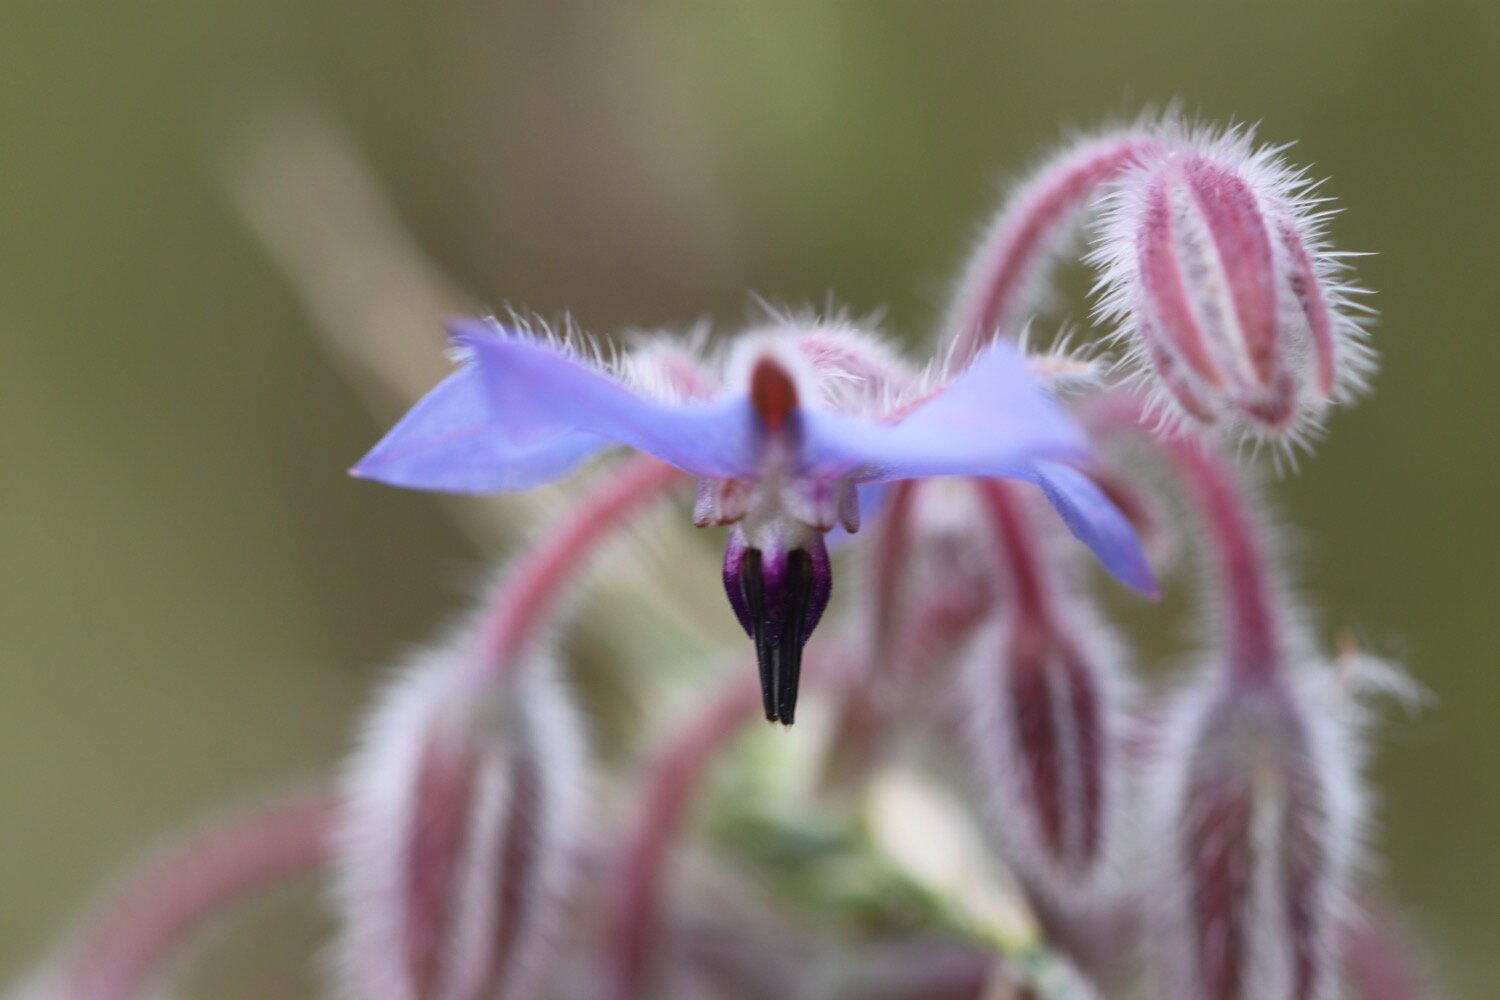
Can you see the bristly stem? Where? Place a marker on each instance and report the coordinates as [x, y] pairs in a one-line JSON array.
[[127, 942], [521, 599], [1018, 547], [890, 552], [1253, 640], [996, 291], [1253, 644]]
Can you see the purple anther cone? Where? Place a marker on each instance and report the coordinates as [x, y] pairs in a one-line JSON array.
[[778, 595]]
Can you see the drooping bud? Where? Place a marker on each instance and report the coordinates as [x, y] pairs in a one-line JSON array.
[[462, 803], [1214, 266], [779, 595], [1255, 794], [1043, 689], [1253, 825]]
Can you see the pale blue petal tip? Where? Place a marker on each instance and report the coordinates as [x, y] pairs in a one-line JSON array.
[[1095, 520], [451, 441]]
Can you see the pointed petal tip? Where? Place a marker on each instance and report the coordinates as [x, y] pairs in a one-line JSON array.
[[1096, 521], [1146, 585], [375, 469], [1131, 569]]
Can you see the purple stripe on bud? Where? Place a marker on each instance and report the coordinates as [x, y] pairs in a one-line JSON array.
[[1252, 853], [1307, 289], [1208, 285], [1214, 266], [455, 843], [1055, 715], [1041, 698], [442, 816]]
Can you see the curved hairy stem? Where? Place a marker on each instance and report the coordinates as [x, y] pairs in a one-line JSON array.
[[147, 921], [999, 286], [523, 597], [1253, 629]]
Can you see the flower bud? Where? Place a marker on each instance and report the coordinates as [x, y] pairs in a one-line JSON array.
[[461, 806], [1215, 269], [1043, 689], [1254, 819], [1043, 744]]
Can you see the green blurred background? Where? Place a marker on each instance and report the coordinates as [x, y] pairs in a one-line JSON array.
[[195, 598]]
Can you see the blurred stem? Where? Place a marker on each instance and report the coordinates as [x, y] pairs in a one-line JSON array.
[[1023, 563], [522, 600], [635, 911], [1252, 628], [999, 286], [134, 933], [891, 547]]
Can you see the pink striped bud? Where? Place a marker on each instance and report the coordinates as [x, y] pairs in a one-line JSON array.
[[462, 802], [1254, 820], [1042, 738], [1043, 694], [1215, 268]]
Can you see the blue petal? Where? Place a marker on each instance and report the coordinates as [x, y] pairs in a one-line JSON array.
[[537, 387], [992, 420], [452, 441], [1095, 521]]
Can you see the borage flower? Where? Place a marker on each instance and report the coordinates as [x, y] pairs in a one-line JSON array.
[[804, 415]]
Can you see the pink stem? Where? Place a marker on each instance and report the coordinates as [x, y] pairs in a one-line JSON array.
[[890, 551], [522, 598], [1023, 566], [128, 941], [1378, 964], [997, 288], [1253, 641], [636, 911]]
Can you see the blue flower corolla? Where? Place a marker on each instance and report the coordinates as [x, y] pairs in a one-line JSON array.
[[773, 460]]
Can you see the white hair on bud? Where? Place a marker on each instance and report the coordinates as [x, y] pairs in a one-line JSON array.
[[1065, 366], [996, 761], [1332, 757], [434, 695], [1287, 196], [667, 367]]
